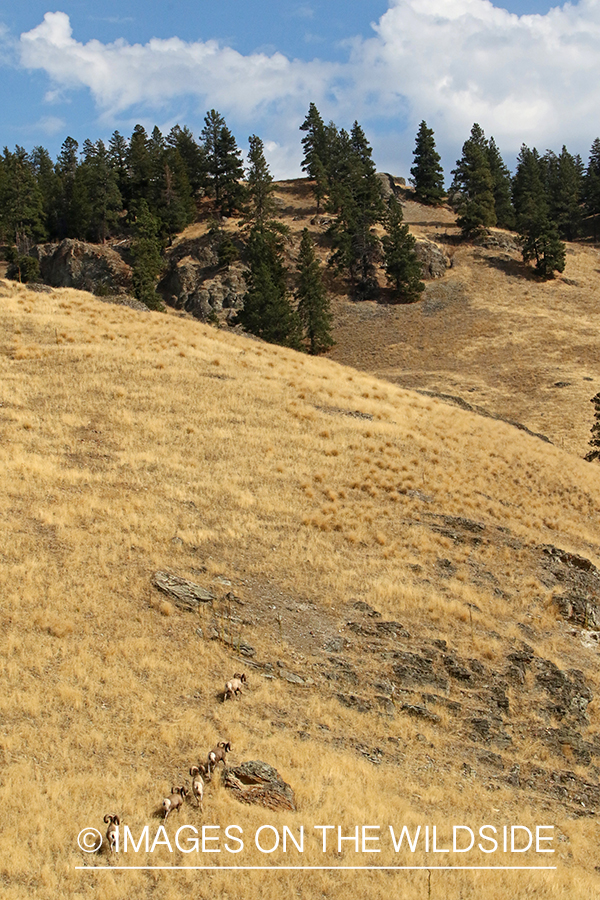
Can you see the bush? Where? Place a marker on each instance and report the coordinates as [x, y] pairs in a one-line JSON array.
[[22, 268]]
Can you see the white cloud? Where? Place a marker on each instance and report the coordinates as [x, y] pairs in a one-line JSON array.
[[532, 79], [121, 75]]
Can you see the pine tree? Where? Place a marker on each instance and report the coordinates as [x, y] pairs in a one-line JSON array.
[[139, 167], [176, 207], [401, 264], [267, 310], [260, 184], [501, 187], [427, 173], [72, 211], [21, 202], [118, 151], [563, 182], [474, 186], [314, 309], [193, 156], [356, 197], [538, 234], [105, 200], [47, 181], [146, 252], [316, 152], [595, 438], [224, 164], [591, 189]]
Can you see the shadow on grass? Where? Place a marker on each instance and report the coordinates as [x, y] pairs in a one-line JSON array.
[[513, 267]]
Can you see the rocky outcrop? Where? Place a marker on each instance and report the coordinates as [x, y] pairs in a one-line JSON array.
[[387, 185], [499, 240], [88, 267], [259, 783], [196, 282], [433, 260]]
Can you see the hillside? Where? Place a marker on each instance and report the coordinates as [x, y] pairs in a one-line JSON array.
[[487, 333], [415, 585]]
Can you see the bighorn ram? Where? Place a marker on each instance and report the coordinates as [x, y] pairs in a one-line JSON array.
[[198, 784], [234, 687], [112, 831], [217, 755], [175, 801]]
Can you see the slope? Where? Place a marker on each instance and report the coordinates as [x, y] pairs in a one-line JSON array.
[[405, 577]]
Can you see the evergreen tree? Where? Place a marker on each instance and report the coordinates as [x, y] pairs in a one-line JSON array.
[[193, 156], [267, 310], [105, 202], [224, 164], [260, 184], [501, 187], [591, 188], [539, 235], [427, 173], [401, 264], [22, 268], [595, 438], [314, 142], [72, 209], [118, 152], [176, 206], [563, 182], [357, 199], [139, 168], [314, 308], [21, 201], [474, 186], [47, 181], [147, 258], [316, 152]]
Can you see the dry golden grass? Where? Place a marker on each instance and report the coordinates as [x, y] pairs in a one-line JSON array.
[[131, 442]]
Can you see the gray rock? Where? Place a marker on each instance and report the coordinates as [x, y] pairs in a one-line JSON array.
[[186, 594], [434, 261], [86, 267], [386, 185], [256, 782]]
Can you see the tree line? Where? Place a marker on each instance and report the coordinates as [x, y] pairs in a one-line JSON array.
[[149, 187]]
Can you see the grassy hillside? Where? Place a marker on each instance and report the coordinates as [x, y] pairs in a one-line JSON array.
[[134, 442], [488, 333]]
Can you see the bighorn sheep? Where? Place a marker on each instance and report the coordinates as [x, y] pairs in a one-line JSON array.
[[112, 831], [198, 784], [234, 687], [217, 755], [176, 800]]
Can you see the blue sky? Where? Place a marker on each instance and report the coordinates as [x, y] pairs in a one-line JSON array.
[[525, 71]]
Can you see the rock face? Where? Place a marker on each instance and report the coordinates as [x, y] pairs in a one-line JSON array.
[[87, 267], [386, 185], [432, 258], [195, 281], [186, 594], [259, 783]]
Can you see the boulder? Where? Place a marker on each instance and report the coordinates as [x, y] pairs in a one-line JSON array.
[[199, 289], [259, 783], [186, 594], [432, 258], [88, 267]]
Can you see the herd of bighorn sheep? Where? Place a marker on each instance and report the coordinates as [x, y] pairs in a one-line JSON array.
[[201, 774]]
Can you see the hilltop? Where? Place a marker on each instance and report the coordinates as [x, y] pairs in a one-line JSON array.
[[411, 588]]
